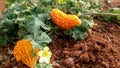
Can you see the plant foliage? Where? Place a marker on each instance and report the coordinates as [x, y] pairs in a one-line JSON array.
[[42, 65], [30, 19], [114, 18]]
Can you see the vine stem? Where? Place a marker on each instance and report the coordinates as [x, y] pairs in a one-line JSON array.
[[97, 14], [111, 14]]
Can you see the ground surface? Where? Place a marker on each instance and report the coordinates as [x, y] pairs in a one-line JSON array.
[[100, 49], [2, 6]]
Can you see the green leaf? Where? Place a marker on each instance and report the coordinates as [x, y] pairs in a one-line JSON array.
[[61, 1], [115, 19], [44, 38], [40, 18], [3, 40], [115, 10], [43, 65], [34, 24], [35, 45], [79, 31], [39, 39], [47, 1], [22, 32]]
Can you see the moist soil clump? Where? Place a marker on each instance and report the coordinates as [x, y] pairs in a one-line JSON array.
[[100, 49]]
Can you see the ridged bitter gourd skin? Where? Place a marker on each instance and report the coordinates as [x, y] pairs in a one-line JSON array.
[[63, 20]]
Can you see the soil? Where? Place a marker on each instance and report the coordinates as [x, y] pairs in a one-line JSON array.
[[2, 6], [100, 49]]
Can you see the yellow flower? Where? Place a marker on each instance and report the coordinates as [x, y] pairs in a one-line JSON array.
[[45, 55]]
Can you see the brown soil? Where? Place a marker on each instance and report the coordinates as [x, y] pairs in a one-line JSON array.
[[2, 6], [7, 60], [100, 49]]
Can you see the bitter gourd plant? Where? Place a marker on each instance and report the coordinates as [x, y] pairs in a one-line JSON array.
[[39, 21]]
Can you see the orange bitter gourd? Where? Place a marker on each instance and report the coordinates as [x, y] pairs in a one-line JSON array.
[[63, 20], [23, 52]]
